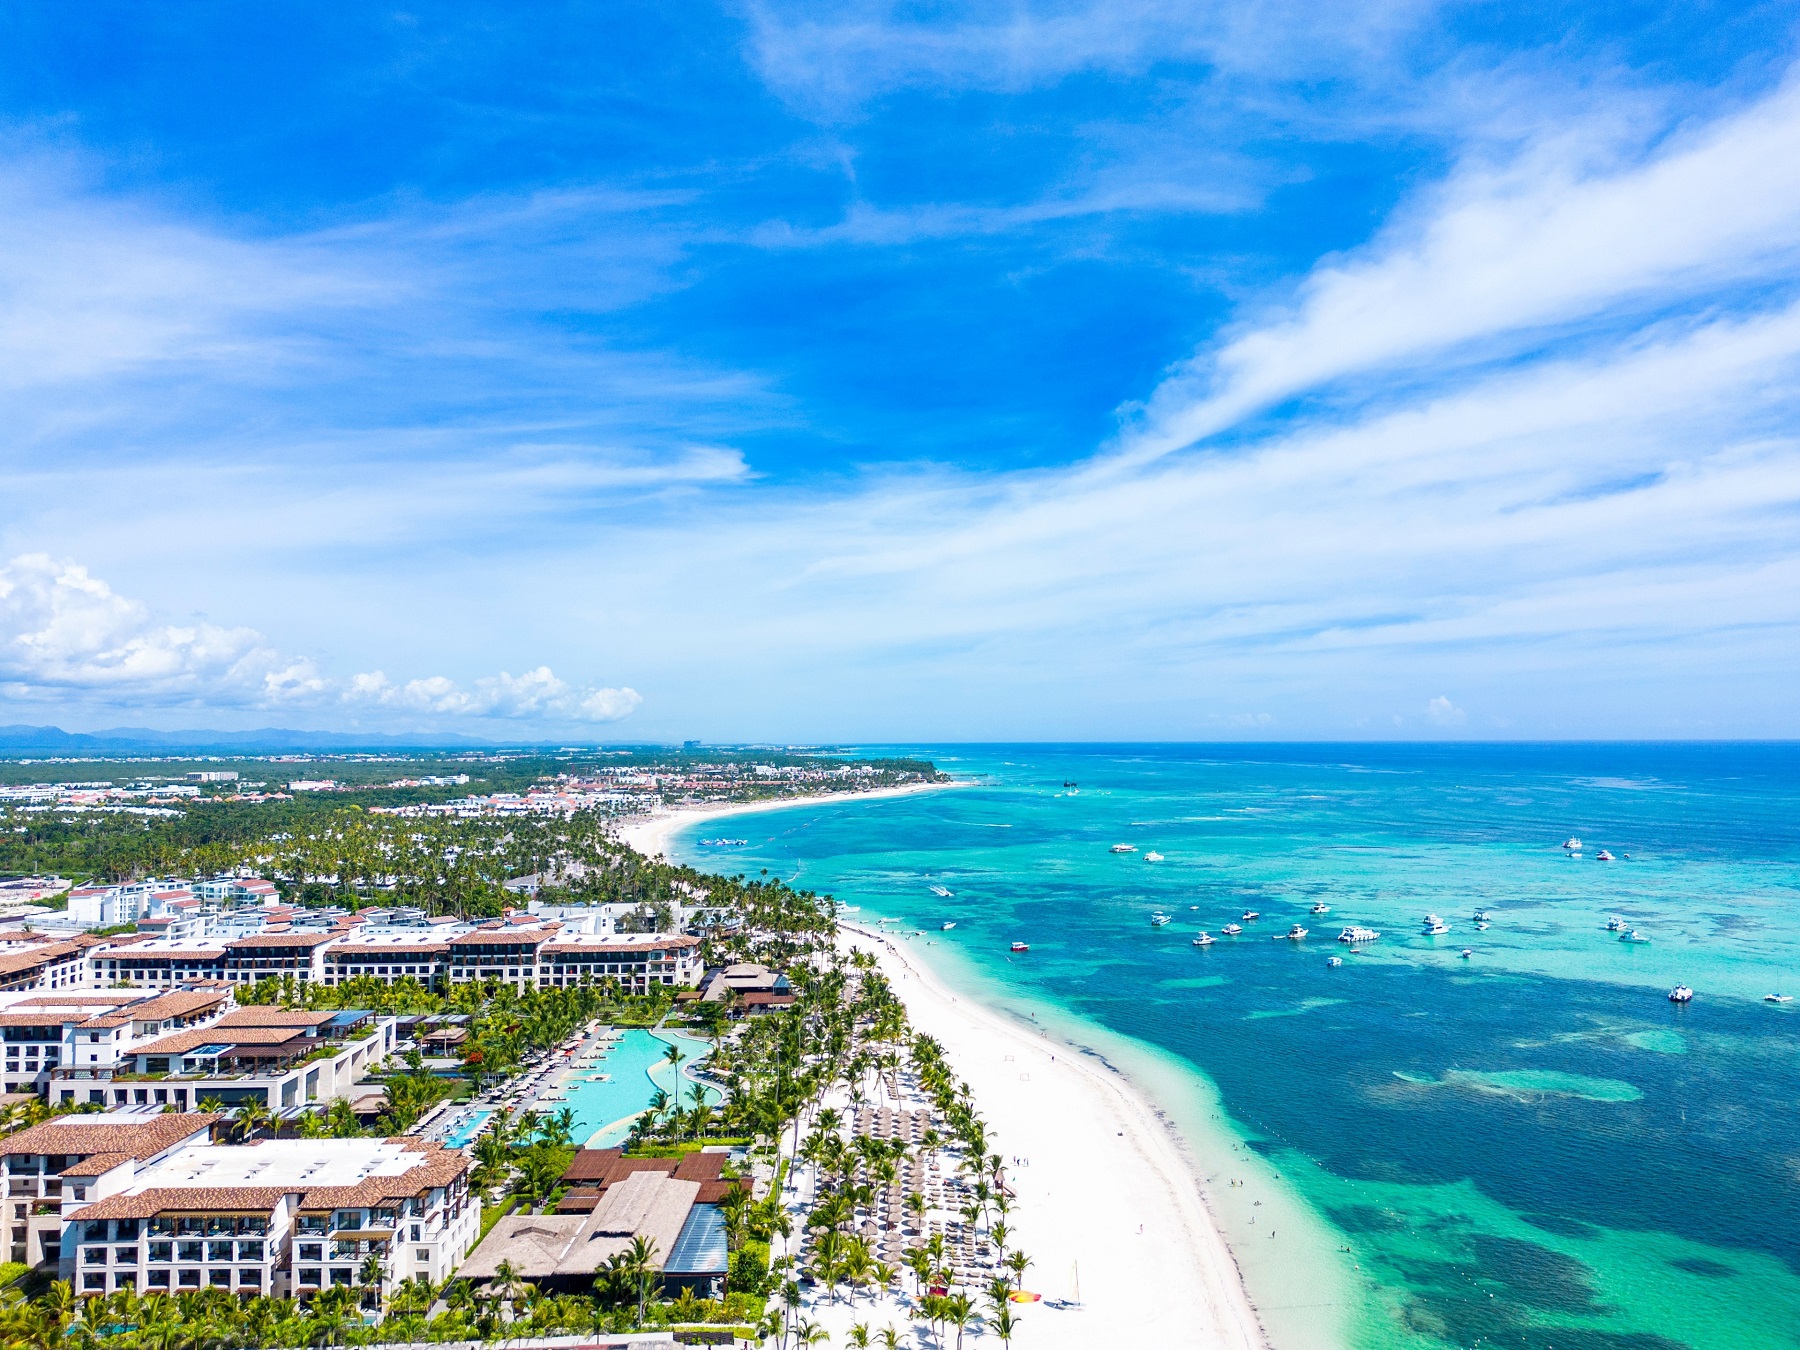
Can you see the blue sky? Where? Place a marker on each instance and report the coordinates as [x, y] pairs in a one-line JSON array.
[[934, 371]]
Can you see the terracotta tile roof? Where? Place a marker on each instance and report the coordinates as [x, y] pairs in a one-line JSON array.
[[258, 1016], [503, 937], [77, 998], [180, 1042], [398, 951], [94, 1166], [143, 1137], [17, 963], [180, 1003], [147, 1204], [280, 940], [657, 943]]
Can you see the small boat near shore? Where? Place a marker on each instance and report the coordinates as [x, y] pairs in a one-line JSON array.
[[1434, 926], [1572, 845], [1681, 994], [1124, 848], [1251, 916], [1482, 916], [1603, 856], [1321, 908], [942, 891], [1231, 930], [1466, 953], [1153, 856], [1293, 934], [946, 925], [1207, 940], [1354, 934], [1633, 936], [1021, 946], [1160, 920], [1334, 961], [1778, 998]]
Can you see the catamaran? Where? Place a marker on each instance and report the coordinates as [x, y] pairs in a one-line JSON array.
[[1124, 848], [1354, 935]]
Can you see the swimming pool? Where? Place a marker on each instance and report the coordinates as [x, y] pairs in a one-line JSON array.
[[634, 1069], [466, 1132]]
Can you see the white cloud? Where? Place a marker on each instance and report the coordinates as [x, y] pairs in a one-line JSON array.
[[1442, 712], [1575, 226], [66, 634]]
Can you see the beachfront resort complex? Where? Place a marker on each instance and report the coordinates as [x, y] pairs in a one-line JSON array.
[[599, 1096]]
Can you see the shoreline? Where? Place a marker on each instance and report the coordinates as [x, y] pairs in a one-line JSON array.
[[1108, 1187], [650, 835]]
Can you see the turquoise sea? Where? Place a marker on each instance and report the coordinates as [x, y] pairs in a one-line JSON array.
[[1530, 1147]]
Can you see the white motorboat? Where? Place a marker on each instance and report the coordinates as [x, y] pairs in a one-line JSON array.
[[1354, 935], [1573, 845], [1021, 946], [1482, 916], [1321, 908], [1251, 916], [1434, 926], [1615, 924], [1295, 933], [1681, 994], [1231, 930], [1334, 961], [1204, 939], [1633, 936], [1159, 919], [1466, 953], [1603, 856], [1124, 848], [943, 891], [1778, 998], [1153, 856], [946, 925], [1483, 927]]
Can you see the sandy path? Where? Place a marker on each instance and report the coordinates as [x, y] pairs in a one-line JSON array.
[[1105, 1186]]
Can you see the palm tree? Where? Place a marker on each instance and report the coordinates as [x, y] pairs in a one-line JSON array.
[[373, 1275], [641, 1267], [959, 1309], [252, 1115], [507, 1283]]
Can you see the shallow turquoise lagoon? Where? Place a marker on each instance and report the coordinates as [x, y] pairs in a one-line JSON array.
[[1530, 1147]]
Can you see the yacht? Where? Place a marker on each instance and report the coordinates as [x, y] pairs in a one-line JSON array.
[[1603, 856], [1124, 848], [1633, 936], [1354, 935], [1615, 924], [1296, 932], [946, 925], [1204, 939], [1159, 919], [1251, 916], [1681, 994], [1321, 908], [1434, 926], [1231, 930], [1153, 856], [1482, 916], [1021, 946], [1778, 998], [943, 891], [1334, 961], [1573, 845]]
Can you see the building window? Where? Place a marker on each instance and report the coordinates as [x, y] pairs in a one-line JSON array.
[[312, 1251], [161, 1251], [250, 1251], [94, 1280], [220, 1278], [93, 1256], [188, 1251], [159, 1279], [422, 1254], [340, 1275], [310, 1276]]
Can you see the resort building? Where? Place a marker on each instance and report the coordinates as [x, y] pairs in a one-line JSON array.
[[282, 1060], [498, 952], [637, 963], [283, 1217], [559, 1252], [36, 962], [92, 1029], [389, 953], [53, 1164]]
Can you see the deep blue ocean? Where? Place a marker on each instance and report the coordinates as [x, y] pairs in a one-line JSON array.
[[1526, 1147]]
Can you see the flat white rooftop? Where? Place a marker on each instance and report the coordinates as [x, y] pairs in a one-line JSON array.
[[299, 1163]]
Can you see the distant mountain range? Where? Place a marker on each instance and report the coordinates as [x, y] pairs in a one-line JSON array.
[[24, 740]]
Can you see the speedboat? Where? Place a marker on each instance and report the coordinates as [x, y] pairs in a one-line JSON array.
[[1295, 933], [1124, 848], [1193, 907], [1159, 919], [943, 891], [1153, 856], [1334, 961], [1231, 930], [1615, 924], [1434, 926], [1482, 916], [1250, 916], [1466, 953], [1681, 994], [1483, 927], [1573, 845], [1778, 998], [946, 925], [1021, 946], [1204, 939], [1633, 936], [1321, 908], [1603, 856]]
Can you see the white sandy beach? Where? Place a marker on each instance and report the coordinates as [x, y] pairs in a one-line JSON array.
[[650, 834], [1106, 1188]]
